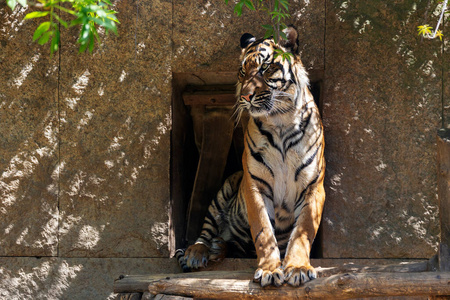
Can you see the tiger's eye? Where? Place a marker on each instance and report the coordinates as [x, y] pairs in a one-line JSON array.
[[265, 66]]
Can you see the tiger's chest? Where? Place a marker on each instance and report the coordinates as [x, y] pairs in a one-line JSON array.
[[275, 158]]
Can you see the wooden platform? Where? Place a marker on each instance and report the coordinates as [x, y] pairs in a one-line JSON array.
[[338, 279]]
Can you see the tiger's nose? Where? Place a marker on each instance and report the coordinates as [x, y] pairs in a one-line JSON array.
[[246, 97]]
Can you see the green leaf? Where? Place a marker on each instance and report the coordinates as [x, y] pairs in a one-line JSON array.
[[40, 30], [101, 13], [63, 23], [91, 45], [36, 14], [226, 2], [55, 43], [22, 2], [107, 23], [283, 35], [82, 48], [84, 34], [91, 9], [285, 4], [11, 3], [113, 18], [69, 11], [267, 27], [288, 56], [80, 20], [249, 4], [238, 8], [45, 37], [269, 33], [94, 31]]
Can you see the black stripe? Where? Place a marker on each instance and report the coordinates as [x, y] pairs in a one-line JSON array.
[[238, 221], [237, 231], [251, 139], [285, 206], [298, 133], [258, 157], [269, 137], [257, 236], [263, 182], [209, 222], [208, 231], [299, 199], [216, 202], [318, 138], [210, 217], [306, 163], [302, 130], [281, 218], [279, 231]]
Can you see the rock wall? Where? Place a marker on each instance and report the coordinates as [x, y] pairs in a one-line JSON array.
[[85, 139], [382, 107]]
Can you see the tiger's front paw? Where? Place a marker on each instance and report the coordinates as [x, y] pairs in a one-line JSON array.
[[196, 256], [296, 275], [269, 273]]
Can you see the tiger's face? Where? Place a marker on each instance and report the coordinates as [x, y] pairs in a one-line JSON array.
[[268, 84]]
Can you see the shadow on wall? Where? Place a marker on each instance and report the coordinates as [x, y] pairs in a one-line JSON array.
[[84, 163]]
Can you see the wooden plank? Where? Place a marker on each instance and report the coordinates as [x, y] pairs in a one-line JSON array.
[[210, 95], [139, 283], [443, 157], [215, 144], [340, 286]]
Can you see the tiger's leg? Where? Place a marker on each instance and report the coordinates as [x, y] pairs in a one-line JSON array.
[[296, 264], [267, 252]]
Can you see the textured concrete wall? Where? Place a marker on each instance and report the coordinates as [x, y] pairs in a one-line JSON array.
[[382, 106], [85, 139]]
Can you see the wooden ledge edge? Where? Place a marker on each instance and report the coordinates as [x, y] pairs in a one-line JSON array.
[[342, 286]]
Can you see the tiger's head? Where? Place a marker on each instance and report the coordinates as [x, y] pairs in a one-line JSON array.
[[269, 84]]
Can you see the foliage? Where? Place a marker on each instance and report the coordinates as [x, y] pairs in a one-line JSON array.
[[277, 11], [426, 30], [88, 14]]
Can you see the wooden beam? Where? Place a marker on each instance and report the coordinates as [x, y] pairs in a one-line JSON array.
[[210, 95], [443, 157], [139, 283], [217, 133], [340, 286]]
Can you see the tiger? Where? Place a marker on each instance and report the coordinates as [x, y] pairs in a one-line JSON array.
[[273, 207]]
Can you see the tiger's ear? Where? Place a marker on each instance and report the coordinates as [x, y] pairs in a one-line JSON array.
[[291, 44], [247, 39]]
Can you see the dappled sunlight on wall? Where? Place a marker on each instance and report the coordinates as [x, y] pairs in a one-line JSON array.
[[385, 83], [33, 281], [84, 156]]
